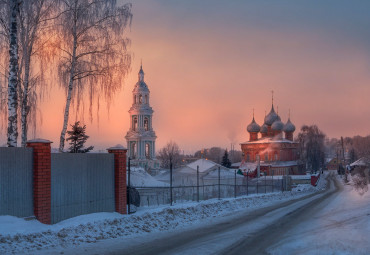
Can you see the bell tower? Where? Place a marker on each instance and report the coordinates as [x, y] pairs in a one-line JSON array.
[[141, 136]]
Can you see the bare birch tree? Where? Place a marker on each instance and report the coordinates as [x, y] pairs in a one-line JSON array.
[[12, 133], [34, 17], [94, 56]]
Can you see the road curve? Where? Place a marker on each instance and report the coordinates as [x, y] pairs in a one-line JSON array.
[[258, 243]]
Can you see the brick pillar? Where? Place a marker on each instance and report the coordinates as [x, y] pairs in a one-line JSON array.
[[120, 185], [41, 179]]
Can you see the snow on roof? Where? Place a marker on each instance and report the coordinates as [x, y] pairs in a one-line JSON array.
[[203, 164], [236, 164], [140, 178], [248, 166], [269, 140], [280, 163], [364, 161]]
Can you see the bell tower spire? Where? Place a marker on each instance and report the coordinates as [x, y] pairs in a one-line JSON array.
[[141, 72]]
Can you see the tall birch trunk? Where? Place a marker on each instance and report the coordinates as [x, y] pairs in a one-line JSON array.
[[70, 87], [13, 78], [25, 107]]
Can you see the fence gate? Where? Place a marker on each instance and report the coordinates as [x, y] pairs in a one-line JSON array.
[[16, 181]]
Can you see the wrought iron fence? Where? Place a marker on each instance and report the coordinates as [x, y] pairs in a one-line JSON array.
[[211, 188]]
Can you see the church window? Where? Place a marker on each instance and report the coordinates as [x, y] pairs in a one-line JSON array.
[[146, 123], [146, 99], [133, 150], [147, 150], [134, 99], [134, 123], [248, 157], [266, 156], [140, 99]]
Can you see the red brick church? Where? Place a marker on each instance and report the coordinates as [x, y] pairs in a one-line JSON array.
[[273, 144]]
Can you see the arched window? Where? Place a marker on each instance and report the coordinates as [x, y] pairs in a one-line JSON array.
[[146, 123], [266, 156], [134, 99], [248, 157], [133, 150], [276, 156], [140, 99], [134, 123], [147, 150], [146, 99]]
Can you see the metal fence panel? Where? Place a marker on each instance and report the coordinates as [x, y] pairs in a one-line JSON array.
[[209, 189], [16, 182], [81, 183]]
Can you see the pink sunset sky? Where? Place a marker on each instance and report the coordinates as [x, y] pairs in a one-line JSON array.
[[209, 63]]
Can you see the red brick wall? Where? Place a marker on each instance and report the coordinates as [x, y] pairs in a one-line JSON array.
[[41, 180], [253, 136], [120, 186], [289, 136]]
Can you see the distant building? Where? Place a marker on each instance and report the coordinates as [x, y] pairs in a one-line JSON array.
[[141, 136], [275, 148], [334, 164]]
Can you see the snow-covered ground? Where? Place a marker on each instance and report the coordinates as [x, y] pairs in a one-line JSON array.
[[341, 226], [18, 236]]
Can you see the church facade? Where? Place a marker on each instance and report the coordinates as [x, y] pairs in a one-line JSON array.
[[272, 144], [141, 136]]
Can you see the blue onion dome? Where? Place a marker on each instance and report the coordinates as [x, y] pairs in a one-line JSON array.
[[271, 117], [277, 126], [253, 127], [289, 126], [264, 129]]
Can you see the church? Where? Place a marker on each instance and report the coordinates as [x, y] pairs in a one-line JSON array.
[[141, 136], [275, 149]]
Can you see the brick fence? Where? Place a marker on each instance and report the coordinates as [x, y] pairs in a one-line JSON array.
[[45, 190]]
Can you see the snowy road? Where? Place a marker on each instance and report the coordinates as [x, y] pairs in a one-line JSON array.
[[241, 233], [335, 221]]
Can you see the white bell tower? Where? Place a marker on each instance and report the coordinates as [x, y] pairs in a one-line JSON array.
[[141, 136]]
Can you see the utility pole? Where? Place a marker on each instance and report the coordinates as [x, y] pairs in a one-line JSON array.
[[171, 179], [129, 184]]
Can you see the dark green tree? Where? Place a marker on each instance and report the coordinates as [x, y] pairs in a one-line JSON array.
[[77, 138], [225, 160]]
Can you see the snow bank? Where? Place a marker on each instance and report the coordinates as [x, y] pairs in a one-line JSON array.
[[321, 184], [20, 236]]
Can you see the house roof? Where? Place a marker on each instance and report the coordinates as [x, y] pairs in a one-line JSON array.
[[364, 161], [204, 165]]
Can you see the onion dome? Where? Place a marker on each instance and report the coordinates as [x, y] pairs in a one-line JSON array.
[[264, 129], [253, 127], [271, 117], [289, 126], [277, 126]]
